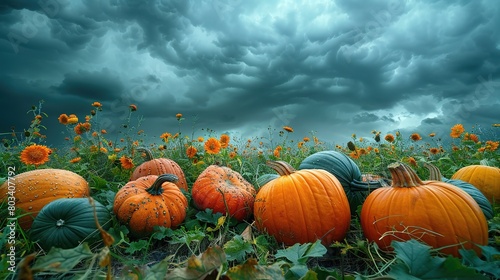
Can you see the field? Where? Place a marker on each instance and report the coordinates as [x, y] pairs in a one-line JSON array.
[[211, 245]]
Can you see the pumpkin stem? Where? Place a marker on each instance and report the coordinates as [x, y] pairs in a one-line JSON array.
[[156, 188], [149, 154], [283, 168], [434, 173], [403, 176]]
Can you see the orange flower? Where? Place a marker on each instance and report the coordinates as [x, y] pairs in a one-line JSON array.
[[471, 136], [191, 151], [232, 154], [212, 146], [103, 150], [276, 152], [457, 130], [306, 139], [432, 134], [201, 139], [72, 119], [103, 131], [94, 134], [75, 160], [224, 140], [132, 107], [97, 104], [126, 162], [434, 150], [300, 144], [389, 138], [35, 154], [165, 136], [63, 119], [415, 137], [354, 155], [362, 151], [287, 128], [178, 116], [412, 161], [492, 145]]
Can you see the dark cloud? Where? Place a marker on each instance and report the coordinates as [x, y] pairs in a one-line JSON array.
[[335, 67]]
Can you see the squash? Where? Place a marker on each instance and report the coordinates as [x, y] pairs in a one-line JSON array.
[[150, 201], [346, 171], [302, 206], [478, 196], [67, 222], [224, 191], [485, 178], [436, 213], [35, 189], [158, 167]]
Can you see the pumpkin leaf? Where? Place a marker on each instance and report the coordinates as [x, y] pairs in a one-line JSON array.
[[251, 270], [62, 260], [159, 270], [237, 249], [300, 253], [491, 265], [137, 246], [207, 264], [416, 262], [208, 217]]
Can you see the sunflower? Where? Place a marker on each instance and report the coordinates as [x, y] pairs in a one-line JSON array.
[[35, 154], [212, 146]]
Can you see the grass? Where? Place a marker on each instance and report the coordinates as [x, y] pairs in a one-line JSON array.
[[210, 243]]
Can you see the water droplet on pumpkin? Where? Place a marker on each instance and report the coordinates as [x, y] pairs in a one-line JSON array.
[[31, 207]]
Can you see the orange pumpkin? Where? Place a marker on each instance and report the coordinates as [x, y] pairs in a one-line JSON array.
[[434, 212], [37, 188], [302, 206], [150, 201], [485, 178], [158, 167], [224, 191]]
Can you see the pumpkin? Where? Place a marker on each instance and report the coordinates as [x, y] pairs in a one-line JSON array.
[[478, 196], [346, 171], [485, 178], [67, 222], [158, 167], [224, 191], [35, 189], [264, 178], [436, 213], [302, 206], [150, 201]]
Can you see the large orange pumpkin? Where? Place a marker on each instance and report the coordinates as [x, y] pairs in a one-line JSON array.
[[224, 191], [37, 188], [436, 213], [159, 166], [302, 206], [150, 201], [485, 178]]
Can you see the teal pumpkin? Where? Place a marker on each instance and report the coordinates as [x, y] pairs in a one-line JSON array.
[[264, 179], [67, 222], [346, 171], [477, 195]]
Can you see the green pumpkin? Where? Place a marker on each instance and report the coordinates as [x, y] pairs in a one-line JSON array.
[[477, 195], [67, 222], [264, 178], [346, 171]]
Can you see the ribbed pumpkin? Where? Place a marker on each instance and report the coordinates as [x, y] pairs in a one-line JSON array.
[[302, 206], [436, 213], [478, 196], [346, 171], [35, 189], [67, 222], [224, 191], [150, 201], [485, 178], [159, 166]]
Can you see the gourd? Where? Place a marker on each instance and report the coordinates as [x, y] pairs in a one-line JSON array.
[[485, 178], [436, 213], [159, 166], [478, 196], [67, 222], [150, 201], [35, 189], [224, 191], [302, 206], [346, 171]]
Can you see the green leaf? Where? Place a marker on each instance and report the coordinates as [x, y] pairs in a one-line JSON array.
[[416, 256], [62, 260], [208, 217], [137, 246], [490, 265], [299, 253], [251, 270], [237, 249], [159, 270], [200, 267]]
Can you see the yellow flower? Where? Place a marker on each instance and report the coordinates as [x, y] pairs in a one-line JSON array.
[[178, 116], [201, 139], [457, 130], [35, 154], [72, 119]]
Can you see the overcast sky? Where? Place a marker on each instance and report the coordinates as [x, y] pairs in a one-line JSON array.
[[333, 67]]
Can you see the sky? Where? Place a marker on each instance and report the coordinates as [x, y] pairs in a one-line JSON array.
[[328, 68]]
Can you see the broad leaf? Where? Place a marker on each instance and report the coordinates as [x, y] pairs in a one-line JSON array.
[[251, 270], [416, 256], [237, 249], [159, 270], [299, 253], [62, 260], [200, 267], [137, 246], [491, 266], [208, 217]]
